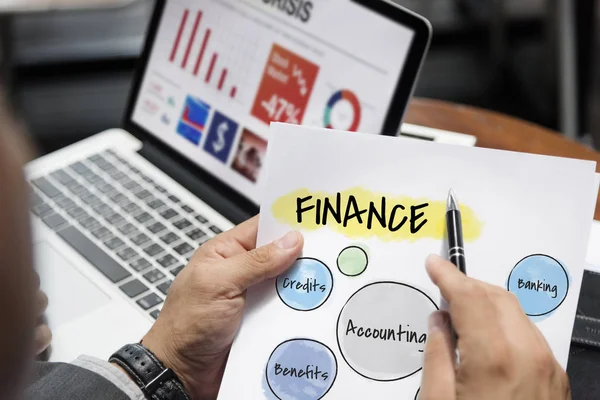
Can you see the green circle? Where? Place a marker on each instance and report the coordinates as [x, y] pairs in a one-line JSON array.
[[352, 261]]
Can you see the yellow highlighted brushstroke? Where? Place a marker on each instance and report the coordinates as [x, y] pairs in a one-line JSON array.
[[284, 210]]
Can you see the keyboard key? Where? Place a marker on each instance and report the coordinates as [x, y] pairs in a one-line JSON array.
[[142, 194], [65, 203], [82, 217], [140, 264], [174, 199], [91, 177], [196, 234], [156, 203], [118, 197], [170, 238], [183, 248], [130, 207], [79, 167], [42, 210], [154, 314], [177, 270], [167, 261], [134, 288], [100, 183], [147, 179], [160, 189], [114, 218], [83, 193], [149, 301], [96, 256], [100, 232], [134, 170], [140, 239], [131, 185], [143, 217], [62, 177], [106, 167], [96, 158], [156, 227], [169, 213], [35, 199], [46, 187], [113, 242], [127, 254], [117, 175], [54, 221], [91, 199], [201, 219], [127, 229], [90, 223], [106, 188], [153, 250], [187, 209], [154, 276], [164, 287], [215, 229], [101, 208], [182, 224]]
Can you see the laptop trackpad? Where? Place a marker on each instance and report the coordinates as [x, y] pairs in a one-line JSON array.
[[71, 295]]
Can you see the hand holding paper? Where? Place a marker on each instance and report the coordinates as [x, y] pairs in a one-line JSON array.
[[349, 319]]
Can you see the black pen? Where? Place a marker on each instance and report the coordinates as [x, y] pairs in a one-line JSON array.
[[456, 251]]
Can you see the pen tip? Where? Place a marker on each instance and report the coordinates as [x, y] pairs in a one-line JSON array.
[[452, 203]]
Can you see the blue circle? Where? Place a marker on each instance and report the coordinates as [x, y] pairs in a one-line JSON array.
[[301, 369], [305, 286], [540, 283]]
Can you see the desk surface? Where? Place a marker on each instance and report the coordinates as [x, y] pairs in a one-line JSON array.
[[497, 131]]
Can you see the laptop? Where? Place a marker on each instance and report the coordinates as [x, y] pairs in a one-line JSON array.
[[117, 216]]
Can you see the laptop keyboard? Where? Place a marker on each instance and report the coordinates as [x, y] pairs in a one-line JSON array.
[[129, 227]]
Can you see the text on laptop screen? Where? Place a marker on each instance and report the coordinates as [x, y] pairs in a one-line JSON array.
[[221, 70]]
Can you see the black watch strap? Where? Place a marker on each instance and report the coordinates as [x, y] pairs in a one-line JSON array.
[[155, 381]]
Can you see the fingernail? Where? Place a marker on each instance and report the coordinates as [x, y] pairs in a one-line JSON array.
[[437, 322], [289, 241]]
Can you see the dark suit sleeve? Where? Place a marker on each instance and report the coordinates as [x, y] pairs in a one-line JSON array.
[[53, 381]]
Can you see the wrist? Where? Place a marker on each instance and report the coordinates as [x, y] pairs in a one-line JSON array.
[[200, 379], [154, 379]]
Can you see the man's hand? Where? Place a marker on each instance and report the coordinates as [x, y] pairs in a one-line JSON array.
[[204, 307], [502, 353]]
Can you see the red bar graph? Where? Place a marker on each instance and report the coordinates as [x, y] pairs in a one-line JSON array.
[[211, 68], [223, 77], [191, 41], [179, 33], [202, 50]]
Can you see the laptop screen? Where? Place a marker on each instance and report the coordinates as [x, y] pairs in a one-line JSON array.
[[221, 70]]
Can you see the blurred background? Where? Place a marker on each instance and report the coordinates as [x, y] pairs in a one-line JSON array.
[[69, 71]]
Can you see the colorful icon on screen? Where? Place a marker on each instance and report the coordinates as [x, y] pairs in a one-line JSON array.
[[193, 121], [221, 136], [338, 98]]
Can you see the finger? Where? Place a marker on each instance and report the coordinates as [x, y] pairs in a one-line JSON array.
[[229, 244], [42, 338], [264, 263], [41, 302], [244, 234], [445, 276], [472, 311], [439, 362]]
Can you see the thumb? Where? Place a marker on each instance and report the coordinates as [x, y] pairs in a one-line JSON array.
[[438, 382], [266, 262]]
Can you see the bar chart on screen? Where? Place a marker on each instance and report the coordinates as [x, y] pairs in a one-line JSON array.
[[215, 52]]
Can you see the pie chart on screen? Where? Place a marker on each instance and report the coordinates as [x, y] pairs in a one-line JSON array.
[[343, 111]]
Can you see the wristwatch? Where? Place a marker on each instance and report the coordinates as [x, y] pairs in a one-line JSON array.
[[155, 381]]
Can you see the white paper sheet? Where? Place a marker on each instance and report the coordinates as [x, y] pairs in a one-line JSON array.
[[349, 320]]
